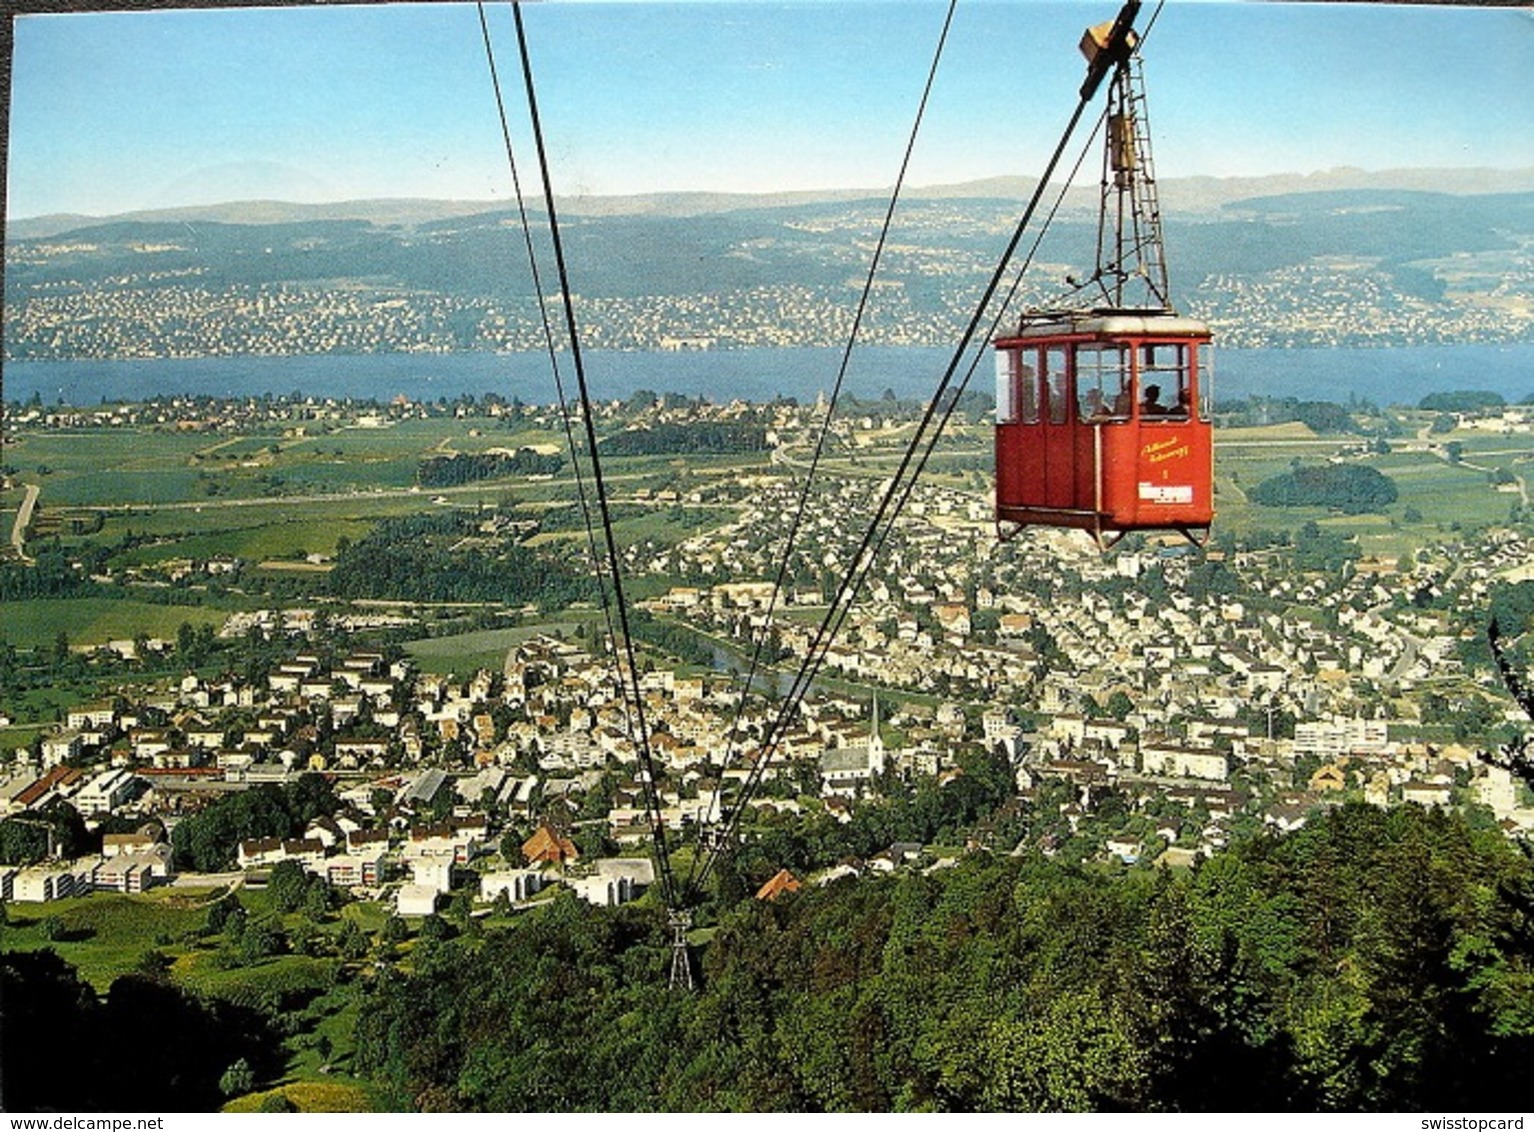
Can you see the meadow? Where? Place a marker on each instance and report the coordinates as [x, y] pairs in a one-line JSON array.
[[97, 620], [107, 935], [484, 648]]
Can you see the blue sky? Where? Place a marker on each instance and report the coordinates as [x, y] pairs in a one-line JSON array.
[[113, 112]]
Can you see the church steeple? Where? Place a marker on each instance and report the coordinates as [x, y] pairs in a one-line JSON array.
[[875, 741]]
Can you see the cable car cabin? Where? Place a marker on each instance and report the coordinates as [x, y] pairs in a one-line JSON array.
[[1099, 424]]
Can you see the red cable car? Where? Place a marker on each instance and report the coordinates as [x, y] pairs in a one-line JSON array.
[[1100, 425], [1102, 419]]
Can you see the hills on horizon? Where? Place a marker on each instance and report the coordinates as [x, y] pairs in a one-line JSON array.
[[1184, 195], [1347, 257]]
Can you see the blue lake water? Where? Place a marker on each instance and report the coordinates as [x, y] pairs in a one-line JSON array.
[[1399, 375]]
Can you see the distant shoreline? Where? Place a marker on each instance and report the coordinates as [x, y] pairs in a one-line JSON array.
[[1383, 375]]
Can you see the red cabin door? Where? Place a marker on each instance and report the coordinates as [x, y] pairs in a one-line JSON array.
[[1058, 439], [1046, 462]]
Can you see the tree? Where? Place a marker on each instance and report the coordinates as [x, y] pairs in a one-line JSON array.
[[260, 941], [288, 884], [511, 847], [1462, 401], [238, 1079], [1351, 488], [43, 989], [434, 929], [395, 930], [220, 911], [351, 941], [1120, 705], [153, 964], [316, 902]]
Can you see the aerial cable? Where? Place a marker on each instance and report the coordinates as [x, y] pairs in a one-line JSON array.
[[1086, 149], [825, 424], [548, 336], [632, 691], [902, 482], [548, 330], [952, 401], [909, 482], [1516, 756]]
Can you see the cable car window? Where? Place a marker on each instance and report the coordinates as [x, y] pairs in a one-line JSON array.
[[1204, 372], [1058, 385], [1165, 390], [1017, 387], [1102, 383], [1006, 401], [1028, 389]]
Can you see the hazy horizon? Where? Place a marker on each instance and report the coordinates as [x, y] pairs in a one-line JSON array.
[[1453, 180], [325, 105]]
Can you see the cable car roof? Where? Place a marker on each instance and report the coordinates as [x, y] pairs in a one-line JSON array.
[[1108, 323]]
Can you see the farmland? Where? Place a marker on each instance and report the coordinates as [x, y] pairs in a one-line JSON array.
[[281, 498]]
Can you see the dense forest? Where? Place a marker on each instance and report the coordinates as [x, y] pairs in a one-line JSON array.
[[1462, 401], [1319, 416], [701, 437], [51, 575], [423, 558], [462, 468], [1372, 961], [1350, 488]]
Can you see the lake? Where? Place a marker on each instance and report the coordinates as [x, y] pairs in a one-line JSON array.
[[1398, 375]]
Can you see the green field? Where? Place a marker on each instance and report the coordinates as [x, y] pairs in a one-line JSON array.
[[284, 538], [202, 496], [97, 620], [485, 648], [17, 736], [1444, 494], [208, 496], [106, 933], [107, 467]]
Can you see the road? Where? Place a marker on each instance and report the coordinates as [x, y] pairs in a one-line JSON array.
[[24, 520], [377, 493]]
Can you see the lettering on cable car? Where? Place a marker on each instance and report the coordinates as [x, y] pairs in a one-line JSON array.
[[1168, 449]]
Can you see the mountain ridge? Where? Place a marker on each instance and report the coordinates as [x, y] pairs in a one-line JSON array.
[[1197, 194]]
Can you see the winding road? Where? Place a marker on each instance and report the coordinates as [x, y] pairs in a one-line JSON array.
[[24, 520]]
